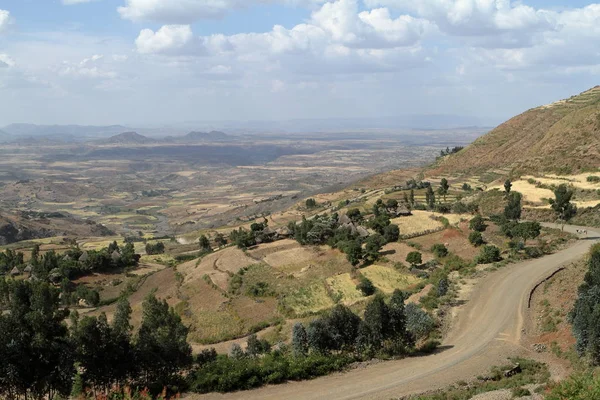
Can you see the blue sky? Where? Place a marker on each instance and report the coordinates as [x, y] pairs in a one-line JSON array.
[[167, 61]]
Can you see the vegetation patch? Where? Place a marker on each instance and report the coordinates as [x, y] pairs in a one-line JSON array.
[[307, 300], [389, 279], [343, 287]]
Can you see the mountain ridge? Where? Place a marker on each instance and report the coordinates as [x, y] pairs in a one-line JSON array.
[[563, 136]]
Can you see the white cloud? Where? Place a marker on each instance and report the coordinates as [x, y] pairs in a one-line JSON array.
[[334, 29], [167, 39], [188, 11], [6, 61], [490, 23], [5, 20]]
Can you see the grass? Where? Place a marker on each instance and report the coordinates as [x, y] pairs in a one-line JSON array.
[[344, 287], [419, 222], [307, 300], [389, 279]]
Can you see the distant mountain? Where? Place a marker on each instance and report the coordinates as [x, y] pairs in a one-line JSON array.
[[560, 137], [127, 138], [74, 131], [5, 136], [212, 136]]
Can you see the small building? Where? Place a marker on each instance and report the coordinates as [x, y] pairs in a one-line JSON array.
[[28, 269], [403, 211], [84, 257], [15, 272]]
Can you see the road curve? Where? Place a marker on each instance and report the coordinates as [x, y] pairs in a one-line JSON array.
[[486, 331]]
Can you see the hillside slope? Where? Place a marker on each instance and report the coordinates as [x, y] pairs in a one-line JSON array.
[[559, 137], [128, 138]]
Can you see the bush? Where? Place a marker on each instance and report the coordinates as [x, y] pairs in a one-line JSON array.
[[366, 286], [439, 250], [476, 239], [576, 387], [477, 224], [311, 203], [593, 179], [157, 248], [533, 252], [414, 258], [489, 254], [418, 322]]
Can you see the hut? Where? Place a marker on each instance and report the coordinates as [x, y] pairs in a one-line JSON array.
[[284, 232], [28, 269], [116, 256], [362, 232], [15, 272], [84, 257], [403, 211]]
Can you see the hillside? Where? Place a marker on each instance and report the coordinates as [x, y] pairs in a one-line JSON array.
[[28, 225], [560, 137], [128, 138]]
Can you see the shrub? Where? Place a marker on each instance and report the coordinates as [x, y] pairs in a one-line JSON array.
[[593, 179], [477, 224], [476, 239], [418, 322], [311, 203], [414, 258], [489, 254], [366, 286], [439, 250], [534, 252]]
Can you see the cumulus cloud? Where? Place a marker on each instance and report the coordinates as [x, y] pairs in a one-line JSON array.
[[490, 23], [168, 39], [6, 61], [93, 67], [336, 29], [188, 11], [4, 20]]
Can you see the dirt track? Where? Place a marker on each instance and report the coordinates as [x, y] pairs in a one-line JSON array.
[[486, 332]]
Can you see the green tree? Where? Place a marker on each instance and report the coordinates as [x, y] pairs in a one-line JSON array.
[[373, 245], [513, 209], [430, 198], [37, 359], [220, 240], [343, 327], [414, 258], [204, 243], [392, 203], [391, 233], [366, 286], [355, 215], [319, 336], [466, 187], [255, 346], [476, 239], [439, 250], [377, 319], [161, 345], [418, 322], [526, 230], [488, 254], [354, 252], [477, 224], [299, 340], [311, 203], [443, 189], [412, 197], [507, 187], [397, 324], [562, 206]]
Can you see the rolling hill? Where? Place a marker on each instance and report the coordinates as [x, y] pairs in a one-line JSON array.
[[560, 137], [128, 138]]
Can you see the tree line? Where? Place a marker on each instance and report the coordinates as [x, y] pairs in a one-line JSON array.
[[43, 357]]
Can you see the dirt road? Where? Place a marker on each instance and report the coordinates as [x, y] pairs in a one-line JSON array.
[[486, 332]]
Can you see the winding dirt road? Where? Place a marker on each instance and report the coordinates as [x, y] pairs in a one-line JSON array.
[[486, 331]]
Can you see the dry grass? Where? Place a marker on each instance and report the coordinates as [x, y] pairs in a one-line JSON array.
[[419, 222], [308, 300], [345, 287], [397, 252], [292, 259], [531, 193], [388, 279]]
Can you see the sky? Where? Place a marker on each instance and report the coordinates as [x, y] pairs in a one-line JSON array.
[[158, 62]]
